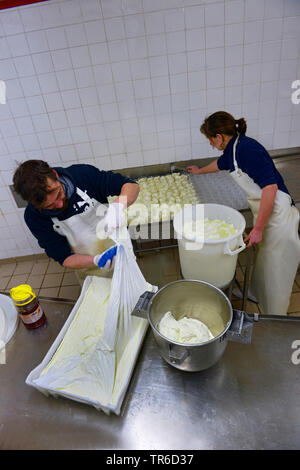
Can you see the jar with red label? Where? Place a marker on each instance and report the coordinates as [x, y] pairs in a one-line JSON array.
[[28, 306]]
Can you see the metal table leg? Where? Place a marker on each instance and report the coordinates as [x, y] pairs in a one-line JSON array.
[[247, 276], [229, 291], [245, 288]]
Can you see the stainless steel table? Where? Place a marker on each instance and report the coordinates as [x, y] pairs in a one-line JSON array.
[[249, 400]]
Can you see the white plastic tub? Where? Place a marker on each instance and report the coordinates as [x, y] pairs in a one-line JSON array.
[[125, 374], [213, 261]]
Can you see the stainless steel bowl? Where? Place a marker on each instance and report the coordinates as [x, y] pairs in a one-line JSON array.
[[201, 301]]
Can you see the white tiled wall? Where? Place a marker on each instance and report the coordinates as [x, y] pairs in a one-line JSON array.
[[122, 83]]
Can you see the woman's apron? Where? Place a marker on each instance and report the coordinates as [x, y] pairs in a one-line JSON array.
[[80, 231], [278, 253]]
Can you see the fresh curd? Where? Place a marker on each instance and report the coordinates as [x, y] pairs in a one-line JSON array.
[[208, 229], [159, 198], [186, 330]]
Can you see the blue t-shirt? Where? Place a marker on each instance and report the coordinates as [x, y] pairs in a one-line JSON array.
[[252, 158], [97, 184]]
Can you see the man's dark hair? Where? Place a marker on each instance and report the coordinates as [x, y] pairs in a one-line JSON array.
[[30, 181]]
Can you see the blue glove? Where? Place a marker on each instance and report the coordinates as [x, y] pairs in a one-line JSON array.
[[106, 260]]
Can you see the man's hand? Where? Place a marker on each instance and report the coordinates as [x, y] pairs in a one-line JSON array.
[[115, 216], [106, 260]]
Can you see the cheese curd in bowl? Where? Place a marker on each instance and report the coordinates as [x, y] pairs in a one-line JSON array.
[[186, 330]]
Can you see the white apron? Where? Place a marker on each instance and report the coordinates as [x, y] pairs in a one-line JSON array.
[[80, 231], [278, 254]]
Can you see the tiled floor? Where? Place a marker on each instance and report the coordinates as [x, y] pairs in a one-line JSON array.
[[162, 267], [294, 306], [47, 278]]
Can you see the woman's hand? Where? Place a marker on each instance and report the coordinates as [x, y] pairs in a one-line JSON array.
[[210, 168], [254, 237], [193, 169]]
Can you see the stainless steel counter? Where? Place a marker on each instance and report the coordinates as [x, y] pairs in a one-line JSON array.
[[248, 400]]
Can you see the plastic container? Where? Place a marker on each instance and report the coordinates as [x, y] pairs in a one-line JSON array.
[[9, 319], [28, 306], [125, 374], [213, 261]]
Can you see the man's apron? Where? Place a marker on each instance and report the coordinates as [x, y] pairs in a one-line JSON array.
[[278, 254], [80, 231]]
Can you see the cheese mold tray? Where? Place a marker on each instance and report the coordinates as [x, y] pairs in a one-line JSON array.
[[71, 345], [159, 198], [162, 196]]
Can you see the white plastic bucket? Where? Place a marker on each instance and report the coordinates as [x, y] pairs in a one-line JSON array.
[[213, 261]]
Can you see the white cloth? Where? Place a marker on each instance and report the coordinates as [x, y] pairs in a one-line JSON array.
[[278, 254], [80, 231]]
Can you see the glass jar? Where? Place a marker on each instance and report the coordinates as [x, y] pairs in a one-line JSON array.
[[28, 306]]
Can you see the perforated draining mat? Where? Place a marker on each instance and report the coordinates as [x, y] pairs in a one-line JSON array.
[[219, 188]]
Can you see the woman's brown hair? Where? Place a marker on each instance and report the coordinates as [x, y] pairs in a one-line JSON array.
[[30, 181], [222, 123]]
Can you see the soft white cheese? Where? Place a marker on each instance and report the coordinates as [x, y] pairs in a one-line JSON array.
[[208, 229], [185, 330], [82, 365], [160, 197]]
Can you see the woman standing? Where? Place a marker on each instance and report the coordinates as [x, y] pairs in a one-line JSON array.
[[275, 216]]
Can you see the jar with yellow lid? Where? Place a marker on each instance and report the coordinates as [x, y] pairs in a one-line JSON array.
[[28, 306]]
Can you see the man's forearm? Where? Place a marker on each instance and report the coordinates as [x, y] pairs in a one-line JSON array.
[[129, 194], [78, 261]]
